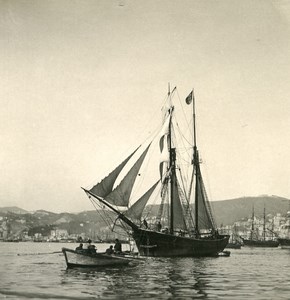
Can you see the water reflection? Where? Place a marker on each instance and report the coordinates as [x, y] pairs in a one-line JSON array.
[[165, 278], [188, 277], [246, 274]]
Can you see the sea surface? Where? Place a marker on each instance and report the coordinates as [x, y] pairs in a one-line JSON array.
[[32, 271]]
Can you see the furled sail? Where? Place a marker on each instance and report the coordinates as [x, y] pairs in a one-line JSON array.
[[163, 145], [105, 187], [121, 194], [136, 210]]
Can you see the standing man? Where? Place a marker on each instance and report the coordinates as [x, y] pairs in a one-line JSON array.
[[145, 223], [159, 226], [118, 246]]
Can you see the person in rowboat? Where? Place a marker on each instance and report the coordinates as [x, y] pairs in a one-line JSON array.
[[80, 247], [118, 246], [88, 244], [110, 250], [89, 247], [92, 249]]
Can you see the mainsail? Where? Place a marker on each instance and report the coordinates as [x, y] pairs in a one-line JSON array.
[[179, 217], [205, 218]]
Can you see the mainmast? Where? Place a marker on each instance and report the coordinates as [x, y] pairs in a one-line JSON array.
[[172, 158], [196, 166]]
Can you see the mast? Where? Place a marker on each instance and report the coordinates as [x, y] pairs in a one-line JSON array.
[[171, 167], [253, 215], [264, 225], [196, 166]]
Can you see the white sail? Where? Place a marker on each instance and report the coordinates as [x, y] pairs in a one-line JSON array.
[[164, 148]]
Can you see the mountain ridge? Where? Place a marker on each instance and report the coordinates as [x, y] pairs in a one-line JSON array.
[[225, 211], [239, 208]]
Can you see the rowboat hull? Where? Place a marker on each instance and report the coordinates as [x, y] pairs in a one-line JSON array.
[[75, 259], [157, 244]]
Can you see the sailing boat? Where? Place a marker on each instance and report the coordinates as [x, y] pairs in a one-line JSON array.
[[255, 240], [177, 217]]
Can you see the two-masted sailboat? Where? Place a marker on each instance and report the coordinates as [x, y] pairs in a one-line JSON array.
[[172, 217], [256, 240]]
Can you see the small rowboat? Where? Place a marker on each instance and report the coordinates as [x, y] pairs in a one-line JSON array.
[[84, 259], [224, 253]]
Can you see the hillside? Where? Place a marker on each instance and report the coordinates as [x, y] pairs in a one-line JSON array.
[[225, 212], [229, 211], [13, 209]]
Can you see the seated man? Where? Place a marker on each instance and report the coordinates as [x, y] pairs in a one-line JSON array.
[[88, 244], [89, 247], [80, 247], [110, 250], [92, 249]]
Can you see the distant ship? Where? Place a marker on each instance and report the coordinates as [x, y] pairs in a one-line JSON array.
[[169, 226], [234, 245], [284, 238], [234, 241], [255, 240]]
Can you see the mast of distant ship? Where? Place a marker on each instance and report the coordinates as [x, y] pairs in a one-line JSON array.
[[264, 225], [253, 216]]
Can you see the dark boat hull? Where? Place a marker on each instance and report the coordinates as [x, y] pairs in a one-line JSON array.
[[157, 244], [253, 243], [284, 242], [75, 259], [233, 246]]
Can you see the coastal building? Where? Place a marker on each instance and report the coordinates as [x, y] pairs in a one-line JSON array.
[[59, 234]]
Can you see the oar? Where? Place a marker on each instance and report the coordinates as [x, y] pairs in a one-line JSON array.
[[39, 253]]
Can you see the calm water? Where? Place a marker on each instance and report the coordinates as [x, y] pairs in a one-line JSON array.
[[246, 274]]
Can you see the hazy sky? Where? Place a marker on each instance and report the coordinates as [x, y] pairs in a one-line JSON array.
[[80, 79]]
